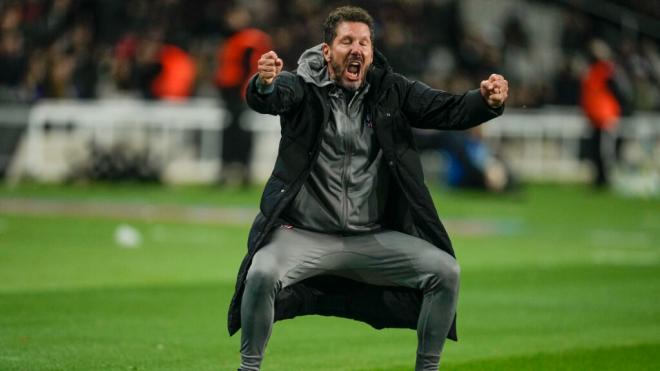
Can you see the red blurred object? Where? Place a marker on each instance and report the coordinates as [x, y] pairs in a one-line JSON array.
[[238, 57], [177, 77], [126, 47], [598, 101]]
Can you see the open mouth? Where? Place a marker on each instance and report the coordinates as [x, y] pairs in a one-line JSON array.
[[353, 70]]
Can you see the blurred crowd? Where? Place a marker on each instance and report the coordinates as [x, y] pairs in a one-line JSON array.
[[168, 49]]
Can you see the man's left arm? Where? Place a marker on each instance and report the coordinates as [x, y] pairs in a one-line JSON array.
[[436, 109]]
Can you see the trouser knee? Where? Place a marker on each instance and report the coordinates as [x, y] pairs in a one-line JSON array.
[[451, 276], [262, 281], [445, 277]]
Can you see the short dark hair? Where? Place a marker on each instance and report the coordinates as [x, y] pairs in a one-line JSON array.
[[345, 14]]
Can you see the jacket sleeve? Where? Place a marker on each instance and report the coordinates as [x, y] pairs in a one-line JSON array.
[[286, 94], [429, 108]]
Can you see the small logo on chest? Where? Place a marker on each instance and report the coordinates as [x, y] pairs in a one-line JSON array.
[[368, 121]]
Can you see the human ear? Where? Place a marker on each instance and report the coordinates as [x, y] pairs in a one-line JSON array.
[[326, 52]]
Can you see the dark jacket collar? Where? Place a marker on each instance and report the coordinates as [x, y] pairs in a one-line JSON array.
[[379, 69]]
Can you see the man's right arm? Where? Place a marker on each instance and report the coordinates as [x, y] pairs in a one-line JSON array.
[[272, 91]]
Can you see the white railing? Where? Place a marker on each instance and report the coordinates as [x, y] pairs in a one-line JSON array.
[[545, 143], [183, 137], [186, 138]]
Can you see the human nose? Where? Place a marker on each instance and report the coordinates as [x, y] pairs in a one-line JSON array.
[[356, 48]]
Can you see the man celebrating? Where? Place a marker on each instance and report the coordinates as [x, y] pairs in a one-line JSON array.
[[347, 227]]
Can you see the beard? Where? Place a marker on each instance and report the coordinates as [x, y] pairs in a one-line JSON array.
[[340, 72]]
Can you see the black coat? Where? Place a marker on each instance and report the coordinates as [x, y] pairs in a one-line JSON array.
[[393, 104]]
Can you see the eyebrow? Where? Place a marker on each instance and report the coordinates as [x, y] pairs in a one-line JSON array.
[[368, 37]]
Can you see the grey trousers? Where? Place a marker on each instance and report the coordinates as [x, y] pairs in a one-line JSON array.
[[384, 258]]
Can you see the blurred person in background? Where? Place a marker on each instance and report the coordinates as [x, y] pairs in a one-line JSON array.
[[237, 61], [469, 162], [346, 225], [34, 86], [122, 61], [158, 69], [72, 70], [165, 70], [13, 53], [85, 70], [602, 99], [13, 60], [61, 63]]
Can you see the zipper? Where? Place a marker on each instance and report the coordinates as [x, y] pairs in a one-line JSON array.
[[349, 135], [344, 176]]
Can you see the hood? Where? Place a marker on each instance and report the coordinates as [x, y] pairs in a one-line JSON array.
[[313, 69]]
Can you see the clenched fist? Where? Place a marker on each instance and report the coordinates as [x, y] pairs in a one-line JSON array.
[[269, 66], [495, 90]]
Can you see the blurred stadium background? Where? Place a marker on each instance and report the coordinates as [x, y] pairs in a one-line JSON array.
[[121, 229]]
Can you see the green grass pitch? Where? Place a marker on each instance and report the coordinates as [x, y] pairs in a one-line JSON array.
[[553, 278]]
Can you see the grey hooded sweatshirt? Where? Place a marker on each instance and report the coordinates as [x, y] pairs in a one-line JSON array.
[[346, 190]]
